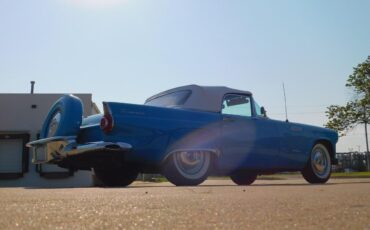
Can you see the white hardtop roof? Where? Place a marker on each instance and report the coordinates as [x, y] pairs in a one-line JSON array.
[[204, 98]]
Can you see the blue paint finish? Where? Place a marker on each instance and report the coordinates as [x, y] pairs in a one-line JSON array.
[[71, 110], [267, 146], [91, 133], [297, 140], [238, 142], [153, 131], [294, 145], [252, 143]]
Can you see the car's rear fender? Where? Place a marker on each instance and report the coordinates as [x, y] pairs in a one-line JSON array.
[[90, 130], [155, 131]]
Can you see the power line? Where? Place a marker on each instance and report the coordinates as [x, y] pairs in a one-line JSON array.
[[299, 113], [356, 134], [300, 106]]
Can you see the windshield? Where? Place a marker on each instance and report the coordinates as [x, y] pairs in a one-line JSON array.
[[171, 99]]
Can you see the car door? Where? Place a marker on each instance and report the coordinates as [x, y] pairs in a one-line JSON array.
[[248, 141]]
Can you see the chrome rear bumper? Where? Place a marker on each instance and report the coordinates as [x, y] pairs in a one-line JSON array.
[[54, 149]]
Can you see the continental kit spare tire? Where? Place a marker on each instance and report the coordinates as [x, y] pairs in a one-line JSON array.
[[64, 118]]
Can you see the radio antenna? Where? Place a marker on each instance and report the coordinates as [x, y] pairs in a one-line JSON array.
[[286, 110]]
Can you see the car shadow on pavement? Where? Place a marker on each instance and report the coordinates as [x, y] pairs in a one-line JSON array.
[[167, 185], [57, 187], [307, 184]]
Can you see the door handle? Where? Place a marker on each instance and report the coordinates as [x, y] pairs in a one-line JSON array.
[[228, 119]]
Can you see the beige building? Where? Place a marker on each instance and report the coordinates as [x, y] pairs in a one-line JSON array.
[[21, 119]]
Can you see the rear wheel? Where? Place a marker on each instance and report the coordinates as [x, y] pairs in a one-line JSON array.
[[318, 168], [116, 177], [241, 178], [187, 167]]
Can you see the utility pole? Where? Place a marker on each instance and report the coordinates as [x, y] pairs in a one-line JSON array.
[[367, 148], [367, 141]]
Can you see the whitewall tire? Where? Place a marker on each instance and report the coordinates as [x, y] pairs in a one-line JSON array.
[[318, 168], [187, 167]]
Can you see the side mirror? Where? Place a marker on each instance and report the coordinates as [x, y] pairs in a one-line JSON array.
[[263, 111]]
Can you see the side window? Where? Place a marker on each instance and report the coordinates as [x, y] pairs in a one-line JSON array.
[[171, 99], [234, 104]]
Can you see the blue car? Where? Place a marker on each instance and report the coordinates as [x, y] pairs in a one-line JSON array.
[[186, 134]]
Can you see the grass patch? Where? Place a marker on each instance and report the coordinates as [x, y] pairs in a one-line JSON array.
[[351, 175], [159, 179]]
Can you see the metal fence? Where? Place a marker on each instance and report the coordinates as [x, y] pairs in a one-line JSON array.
[[350, 161]]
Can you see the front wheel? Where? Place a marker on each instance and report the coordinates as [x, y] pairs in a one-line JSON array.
[[241, 178], [318, 168], [116, 177], [187, 167]]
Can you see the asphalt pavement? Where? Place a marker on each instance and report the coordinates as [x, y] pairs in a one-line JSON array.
[[216, 204]]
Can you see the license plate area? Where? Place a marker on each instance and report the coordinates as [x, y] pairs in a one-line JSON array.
[[40, 154]]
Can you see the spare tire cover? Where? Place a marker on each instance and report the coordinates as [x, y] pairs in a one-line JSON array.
[[64, 118]]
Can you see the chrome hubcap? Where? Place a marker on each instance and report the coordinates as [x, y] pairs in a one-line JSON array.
[[54, 124], [192, 164], [320, 161], [190, 158]]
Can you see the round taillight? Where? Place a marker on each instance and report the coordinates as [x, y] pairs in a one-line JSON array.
[[106, 123], [103, 123]]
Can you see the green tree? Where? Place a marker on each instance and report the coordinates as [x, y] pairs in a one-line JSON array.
[[356, 111]]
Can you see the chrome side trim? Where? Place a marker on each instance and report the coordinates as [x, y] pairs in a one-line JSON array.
[[56, 148], [97, 146], [49, 139]]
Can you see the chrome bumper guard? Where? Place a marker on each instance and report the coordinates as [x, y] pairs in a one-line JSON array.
[[56, 148]]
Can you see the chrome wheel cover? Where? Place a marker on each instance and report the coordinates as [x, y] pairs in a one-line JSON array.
[[54, 124], [192, 164], [320, 161]]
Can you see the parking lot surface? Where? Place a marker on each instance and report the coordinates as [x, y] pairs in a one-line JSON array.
[[216, 204]]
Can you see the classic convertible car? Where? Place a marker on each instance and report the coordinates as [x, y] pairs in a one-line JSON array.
[[187, 134]]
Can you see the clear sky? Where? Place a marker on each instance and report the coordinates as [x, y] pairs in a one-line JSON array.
[[127, 50]]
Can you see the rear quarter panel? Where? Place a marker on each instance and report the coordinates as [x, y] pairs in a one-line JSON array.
[[154, 132], [90, 129]]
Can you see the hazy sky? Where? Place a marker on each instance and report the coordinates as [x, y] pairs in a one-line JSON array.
[[127, 50]]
